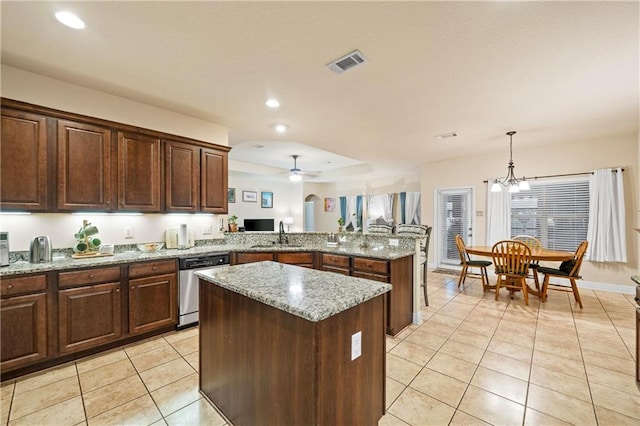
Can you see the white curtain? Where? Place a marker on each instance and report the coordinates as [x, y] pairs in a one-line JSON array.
[[380, 206], [606, 236], [498, 215], [351, 213], [412, 208]]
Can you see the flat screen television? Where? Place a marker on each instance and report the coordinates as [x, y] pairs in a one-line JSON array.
[[258, 225]]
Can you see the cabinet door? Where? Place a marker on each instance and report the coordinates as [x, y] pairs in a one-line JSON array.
[[23, 324], [138, 173], [88, 316], [252, 257], [152, 303], [23, 161], [182, 177], [214, 171], [84, 166]]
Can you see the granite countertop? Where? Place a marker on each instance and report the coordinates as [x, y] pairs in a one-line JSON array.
[[636, 279], [307, 293], [60, 263]]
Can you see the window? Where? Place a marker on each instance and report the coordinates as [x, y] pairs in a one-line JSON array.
[[555, 212]]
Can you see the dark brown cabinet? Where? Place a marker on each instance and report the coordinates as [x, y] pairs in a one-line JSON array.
[[89, 308], [23, 161], [335, 263], [250, 257], [153, 296], [139, 171], [304, 259], [83, 167], [24, 321], [196, 178], [214, 171]]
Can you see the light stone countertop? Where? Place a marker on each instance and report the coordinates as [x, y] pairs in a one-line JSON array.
[[61, 263], [307, 293]]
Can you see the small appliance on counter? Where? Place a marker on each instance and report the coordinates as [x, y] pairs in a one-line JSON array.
[[4, 249], [174, 240], [40, 250]]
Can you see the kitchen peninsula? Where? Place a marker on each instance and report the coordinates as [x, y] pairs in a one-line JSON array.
[[282, 344]]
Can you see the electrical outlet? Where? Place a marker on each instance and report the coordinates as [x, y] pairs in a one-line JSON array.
[[356, 345], [128, 232], [207, 230], [393, 242]]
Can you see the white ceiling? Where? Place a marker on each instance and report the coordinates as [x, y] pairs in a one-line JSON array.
[[553, 71]]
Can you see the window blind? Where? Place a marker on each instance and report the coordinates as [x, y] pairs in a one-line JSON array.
[[555, 212]]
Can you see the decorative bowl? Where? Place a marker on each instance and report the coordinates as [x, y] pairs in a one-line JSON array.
[[150, 247]]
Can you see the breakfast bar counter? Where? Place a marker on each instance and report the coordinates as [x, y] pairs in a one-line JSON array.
[[281, 344]]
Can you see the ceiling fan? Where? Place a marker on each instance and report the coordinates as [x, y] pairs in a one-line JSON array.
[[295, 174]]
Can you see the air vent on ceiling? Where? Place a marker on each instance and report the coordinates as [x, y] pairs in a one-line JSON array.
[[346, 62]]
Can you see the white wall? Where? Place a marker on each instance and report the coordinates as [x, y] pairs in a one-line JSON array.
[[287, 199], [37, 89], [324, 221], [571, 157]]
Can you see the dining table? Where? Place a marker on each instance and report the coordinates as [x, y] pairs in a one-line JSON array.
[[537, 254]]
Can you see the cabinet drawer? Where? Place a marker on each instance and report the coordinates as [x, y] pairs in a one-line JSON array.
[[12, 286], [336, 270], [370, 265], [296, 258], [374, 277], [152, 268], [253, 257], [88, 276], [335, 260]]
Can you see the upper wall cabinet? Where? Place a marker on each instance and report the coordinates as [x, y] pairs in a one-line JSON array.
[[139, 171], [84, 166], [23, 161], [196, 178], [214, 172], [56, 161]]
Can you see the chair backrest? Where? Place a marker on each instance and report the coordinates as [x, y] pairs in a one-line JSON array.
[[461, 250], [577, 258], [380, 229], [511, 257], [531, 241], [423, 231]]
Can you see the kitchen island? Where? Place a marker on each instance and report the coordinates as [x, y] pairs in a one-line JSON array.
[[281, 344]]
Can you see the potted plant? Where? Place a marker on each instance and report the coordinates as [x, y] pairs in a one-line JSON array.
[[340, 224], [233, 226]]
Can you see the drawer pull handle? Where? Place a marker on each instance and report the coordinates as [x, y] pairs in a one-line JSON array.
[[91, 276], [369, 265], [131, 287], [9, 287], [154, 268], [117, 290]]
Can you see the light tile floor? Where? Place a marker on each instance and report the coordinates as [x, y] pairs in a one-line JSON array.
[[473, 361]]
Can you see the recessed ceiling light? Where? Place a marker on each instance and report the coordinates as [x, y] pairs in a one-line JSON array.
[[272, 103], [281, 128], [70, 20]]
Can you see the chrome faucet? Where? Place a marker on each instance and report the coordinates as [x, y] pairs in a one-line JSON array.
[[281, 238]]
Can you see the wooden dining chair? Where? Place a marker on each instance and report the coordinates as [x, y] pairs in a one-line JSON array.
[[511, 260], [570, 270], [534, 244], [466, 263]]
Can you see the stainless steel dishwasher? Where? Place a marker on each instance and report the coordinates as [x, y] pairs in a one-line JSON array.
[[189, 283]]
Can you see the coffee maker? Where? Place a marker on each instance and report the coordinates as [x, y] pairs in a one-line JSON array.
[[40, 250]]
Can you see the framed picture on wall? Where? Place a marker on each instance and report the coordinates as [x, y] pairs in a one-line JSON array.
[[267, 200], [329, 204], [250, 196], [231, 195]]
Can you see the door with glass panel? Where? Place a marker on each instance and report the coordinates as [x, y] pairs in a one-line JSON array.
[[454, 217]]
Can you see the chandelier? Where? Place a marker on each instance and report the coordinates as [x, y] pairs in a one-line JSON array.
[[511, 181]]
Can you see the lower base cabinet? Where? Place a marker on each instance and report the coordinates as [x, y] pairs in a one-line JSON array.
[[23, 321], [88, 316], [152, 303]]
